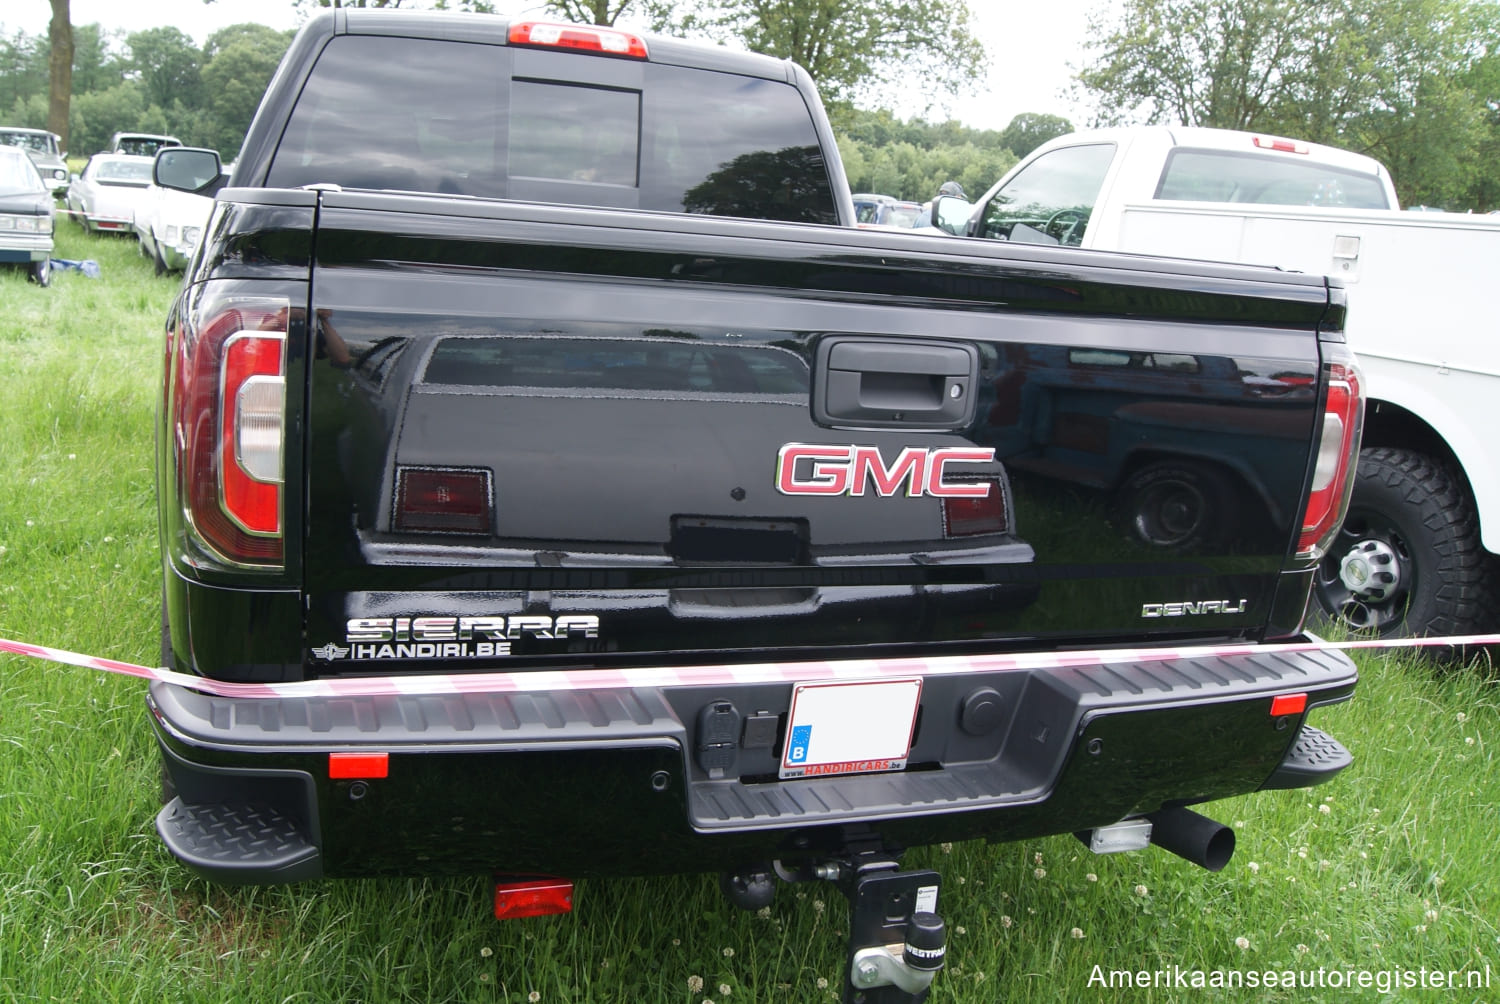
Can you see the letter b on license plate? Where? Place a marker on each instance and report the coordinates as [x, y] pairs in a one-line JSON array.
[[850, 727]]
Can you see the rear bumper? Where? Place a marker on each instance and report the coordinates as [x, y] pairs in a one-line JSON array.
[[622, 782]]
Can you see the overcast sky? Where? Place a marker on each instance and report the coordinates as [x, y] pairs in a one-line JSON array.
[[1031, 44]]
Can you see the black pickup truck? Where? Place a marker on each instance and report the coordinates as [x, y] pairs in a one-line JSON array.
[[552, 353]]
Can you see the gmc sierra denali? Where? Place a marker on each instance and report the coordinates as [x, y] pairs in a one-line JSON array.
[[552, 353]]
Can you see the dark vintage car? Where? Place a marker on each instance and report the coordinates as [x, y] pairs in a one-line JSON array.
[[25, 216]]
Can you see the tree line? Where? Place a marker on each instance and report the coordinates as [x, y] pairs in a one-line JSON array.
[[1413, 83], [155, 81]]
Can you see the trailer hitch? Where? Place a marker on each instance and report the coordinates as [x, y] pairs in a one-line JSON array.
[[897, 942]]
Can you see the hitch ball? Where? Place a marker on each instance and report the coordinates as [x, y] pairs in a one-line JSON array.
[[748, 890], [926, 942]]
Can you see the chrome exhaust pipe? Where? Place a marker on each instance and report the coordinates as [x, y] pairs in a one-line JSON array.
[[1192, 837]]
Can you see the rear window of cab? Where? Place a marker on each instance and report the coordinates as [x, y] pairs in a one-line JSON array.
[[490, 121], [1261, 179]]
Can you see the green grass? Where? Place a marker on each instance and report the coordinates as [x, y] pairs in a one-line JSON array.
[[1391, 866]]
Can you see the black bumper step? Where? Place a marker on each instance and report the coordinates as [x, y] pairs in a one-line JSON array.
[[236, 842], [1314, 758]]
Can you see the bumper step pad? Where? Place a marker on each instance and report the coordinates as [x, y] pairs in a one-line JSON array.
[[1314, 758], [255, 840]]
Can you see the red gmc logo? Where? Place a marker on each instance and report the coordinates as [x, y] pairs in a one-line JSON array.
[[807, 469]]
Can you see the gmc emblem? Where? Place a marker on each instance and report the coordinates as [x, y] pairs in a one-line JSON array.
[[812, 469]]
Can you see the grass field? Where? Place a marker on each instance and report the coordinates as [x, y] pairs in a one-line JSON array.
[[1390, 868]]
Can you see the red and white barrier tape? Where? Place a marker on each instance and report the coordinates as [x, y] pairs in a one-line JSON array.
[[711, 675]]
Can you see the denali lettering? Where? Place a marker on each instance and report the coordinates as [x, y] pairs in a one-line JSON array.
[[1186, 609], [438, 629], [809, 469]]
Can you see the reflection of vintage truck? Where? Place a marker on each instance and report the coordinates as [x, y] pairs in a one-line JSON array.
[[1186, 447], [1416, 554], [553, 352]]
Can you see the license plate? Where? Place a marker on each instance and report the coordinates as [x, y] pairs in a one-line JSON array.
[[848, 727]]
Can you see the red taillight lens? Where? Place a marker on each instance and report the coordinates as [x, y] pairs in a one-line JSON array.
[[1333, 475], [583, 38], [228, 422], [540, 897], [1281, 145], [443, 500], [969, 517]]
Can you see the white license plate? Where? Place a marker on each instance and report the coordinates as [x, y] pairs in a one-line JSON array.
[[847, 727]]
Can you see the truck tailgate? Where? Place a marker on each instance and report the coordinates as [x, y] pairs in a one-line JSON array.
[[619, 442]]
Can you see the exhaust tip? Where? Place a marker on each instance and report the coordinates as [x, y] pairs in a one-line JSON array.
[[1193, 837]]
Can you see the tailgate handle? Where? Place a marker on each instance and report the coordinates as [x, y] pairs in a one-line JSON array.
[[895, 383]]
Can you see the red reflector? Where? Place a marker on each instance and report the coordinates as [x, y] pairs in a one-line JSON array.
[[443, 500], [583, 38], [533, 898], [1288, 704], [358, 766], [966, 517]]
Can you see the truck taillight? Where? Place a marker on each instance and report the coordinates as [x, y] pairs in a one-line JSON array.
[[969, 517], [578, 37], [228, 425], [1338, 450]]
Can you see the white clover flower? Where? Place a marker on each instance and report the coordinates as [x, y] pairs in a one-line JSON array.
[[1325, 808], [1420, 928], [1303, 949], [486, 952], [1036, 858], [724, 990], [695, 983], [822, 983], [764, 913], [1432, 915], [1468, 740], [1462, 717], [1076, 933], [947, 848], [1006, 922], [1254, 867], [1040, 873], [1141, 890], [960, 929], [1091, 877], [729, 952], [1242, 943], [818, 906], [534, 996]]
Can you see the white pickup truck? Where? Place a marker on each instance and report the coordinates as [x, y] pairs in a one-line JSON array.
[[1418, 547]]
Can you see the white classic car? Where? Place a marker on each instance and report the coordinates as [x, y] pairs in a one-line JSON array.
[[106, 194], [169, 223]]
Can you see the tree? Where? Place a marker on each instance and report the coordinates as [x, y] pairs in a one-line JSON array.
[[599, 12], [1029, 130], [244, 56], [60, 69], [854, 48], [169, 65], [1392, 78]]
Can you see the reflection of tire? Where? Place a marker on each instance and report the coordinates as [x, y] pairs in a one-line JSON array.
[[159, 263], [1407, 560], [1178, 504], [41, 272]]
